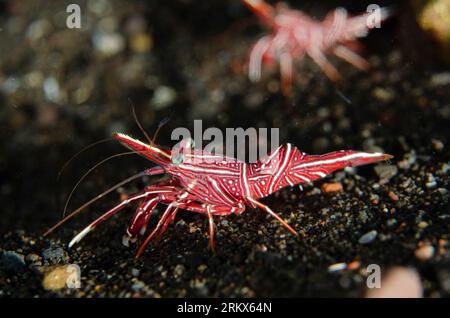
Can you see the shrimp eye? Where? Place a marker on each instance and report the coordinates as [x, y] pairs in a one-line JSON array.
[[178, 159]]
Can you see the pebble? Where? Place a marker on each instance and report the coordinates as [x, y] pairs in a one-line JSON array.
[[54, 255], [34, 79], [201, 268], [100, 7], [10, 85], [197, 283], [51, 89], [393, 196], [445, 168], [437, 145], [383, 94], [424, 252], [12, 261], [314, 191], [406, 184], [375, 199], [440, 79], [368, 237], [37, 29], [193, 228], [431, 181], [138, 286], [391, 222], [398, 282], [141, 43], [332, 187], [83, 93], [385, 172], [408, 160], [108, 44], [180, 224], [178, 271], [363, 216], [135, 272], [353, 265], [34, 260], [163, 96], [422, 224], [337, 267], [59, 277]]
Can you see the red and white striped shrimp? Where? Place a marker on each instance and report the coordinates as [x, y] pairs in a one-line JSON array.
[[295, 34], [215, 185]]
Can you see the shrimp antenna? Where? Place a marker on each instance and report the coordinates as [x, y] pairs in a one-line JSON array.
[[88, 172], [138, 122], [80, 152], [81, 208], [161, 123], [66, 218]]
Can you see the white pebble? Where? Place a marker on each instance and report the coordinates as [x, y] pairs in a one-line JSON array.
[[368, 237], [337, 267]]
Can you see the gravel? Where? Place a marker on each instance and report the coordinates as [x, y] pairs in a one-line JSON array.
[[12, 261]]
